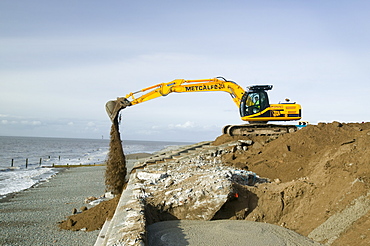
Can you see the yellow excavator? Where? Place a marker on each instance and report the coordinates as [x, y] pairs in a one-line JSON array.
[[253, 104]]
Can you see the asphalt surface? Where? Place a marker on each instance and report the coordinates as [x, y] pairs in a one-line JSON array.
[[223, 233]]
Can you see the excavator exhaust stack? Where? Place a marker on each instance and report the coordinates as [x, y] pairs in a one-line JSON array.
[[113, 107]]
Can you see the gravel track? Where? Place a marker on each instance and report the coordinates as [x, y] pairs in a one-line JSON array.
[[31, 217]]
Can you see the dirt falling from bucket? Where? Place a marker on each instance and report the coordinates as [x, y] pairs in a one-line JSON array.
[[116, 170]]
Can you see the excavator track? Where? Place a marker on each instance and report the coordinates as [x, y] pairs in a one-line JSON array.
[[258, 129]]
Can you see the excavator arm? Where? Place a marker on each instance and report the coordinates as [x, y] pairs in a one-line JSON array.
[[179, 85]]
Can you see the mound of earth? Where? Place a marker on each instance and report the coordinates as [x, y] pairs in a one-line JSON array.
[[91, 219], [320, 172]]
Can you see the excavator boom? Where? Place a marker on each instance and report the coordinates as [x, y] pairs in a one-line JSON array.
[[180, 85]]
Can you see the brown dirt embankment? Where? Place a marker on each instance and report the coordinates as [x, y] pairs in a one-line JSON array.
[[319, 171]]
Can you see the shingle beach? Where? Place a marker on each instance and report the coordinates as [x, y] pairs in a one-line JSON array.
[[31, 217]]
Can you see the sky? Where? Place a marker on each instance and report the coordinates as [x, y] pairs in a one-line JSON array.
[[61, 61]]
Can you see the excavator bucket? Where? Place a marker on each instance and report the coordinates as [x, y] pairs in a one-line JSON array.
[[113, 107], [109, 107]]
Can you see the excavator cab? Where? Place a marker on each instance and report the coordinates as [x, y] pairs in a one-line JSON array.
[[255, 101], [255, 107]]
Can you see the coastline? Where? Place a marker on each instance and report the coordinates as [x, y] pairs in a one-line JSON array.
[[31, 216]]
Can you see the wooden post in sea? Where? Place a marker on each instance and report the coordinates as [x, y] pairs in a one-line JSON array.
[[12, 163], [26, 162], [40, 161]]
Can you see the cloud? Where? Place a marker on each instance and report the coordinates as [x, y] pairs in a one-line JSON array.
[[13, 125], [10, 120], [33, 122], [147, 132], [187, 124], [91, 124]]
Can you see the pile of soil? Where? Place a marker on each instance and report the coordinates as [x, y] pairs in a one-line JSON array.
[[116, 163], [91, 219], [299, 154], [317, 172]]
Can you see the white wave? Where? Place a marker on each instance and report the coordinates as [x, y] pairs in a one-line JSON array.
[[18, 180]]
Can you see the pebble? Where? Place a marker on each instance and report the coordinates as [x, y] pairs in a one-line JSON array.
[[31, 216]]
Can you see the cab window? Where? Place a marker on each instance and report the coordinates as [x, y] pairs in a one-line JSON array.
[[255, 102]]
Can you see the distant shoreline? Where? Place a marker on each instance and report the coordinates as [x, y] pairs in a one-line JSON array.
[[137, 156]]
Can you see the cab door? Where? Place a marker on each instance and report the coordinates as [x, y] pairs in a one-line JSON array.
[[253, 102]]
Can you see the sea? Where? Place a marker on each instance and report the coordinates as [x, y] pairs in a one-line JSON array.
[[27, 161]]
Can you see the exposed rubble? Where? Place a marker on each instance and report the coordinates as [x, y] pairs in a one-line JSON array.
[[193, 185], [194, 190]]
